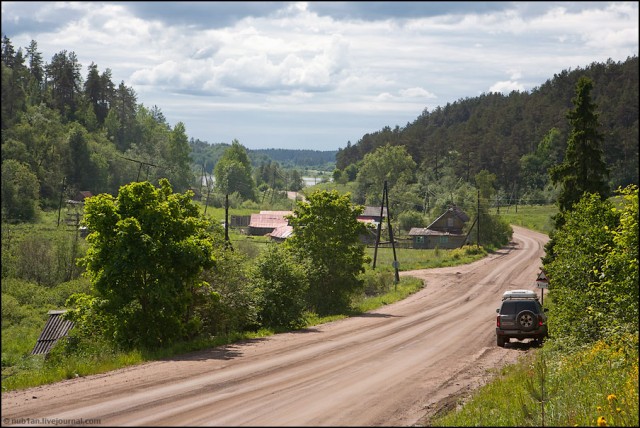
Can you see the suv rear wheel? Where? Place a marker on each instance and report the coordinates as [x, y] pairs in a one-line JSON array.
[[527, 320]]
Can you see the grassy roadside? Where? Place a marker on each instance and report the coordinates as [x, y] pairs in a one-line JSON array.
[[594, 386]]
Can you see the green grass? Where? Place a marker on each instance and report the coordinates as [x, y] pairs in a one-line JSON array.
[[534, 217], [412, 259]]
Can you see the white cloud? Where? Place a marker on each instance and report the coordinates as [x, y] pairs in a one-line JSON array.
[[416, 92], [294, 61], [506, 87]]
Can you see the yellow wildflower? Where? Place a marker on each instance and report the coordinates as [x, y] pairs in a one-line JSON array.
[[611, 397], [602, 422], [599, 408]]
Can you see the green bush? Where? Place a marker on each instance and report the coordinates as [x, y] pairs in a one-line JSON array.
[[281, 286]]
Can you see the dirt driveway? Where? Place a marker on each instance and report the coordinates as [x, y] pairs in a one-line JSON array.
[[396, 366]]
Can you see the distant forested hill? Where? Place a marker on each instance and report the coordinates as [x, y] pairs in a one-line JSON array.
[[496, 132], [203, 153], [299, 158]]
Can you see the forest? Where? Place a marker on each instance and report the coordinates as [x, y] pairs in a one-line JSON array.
[[519, 136]]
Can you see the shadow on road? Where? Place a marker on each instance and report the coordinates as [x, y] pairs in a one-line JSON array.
[[521, 346], [223, 352], [374, 315]]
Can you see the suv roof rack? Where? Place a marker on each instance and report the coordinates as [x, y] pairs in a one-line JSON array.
[[519, 294]]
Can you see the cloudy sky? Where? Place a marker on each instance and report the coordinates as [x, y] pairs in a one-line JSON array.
[[315, 75]]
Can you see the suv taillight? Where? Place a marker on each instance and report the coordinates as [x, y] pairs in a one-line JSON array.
[[498, 321]]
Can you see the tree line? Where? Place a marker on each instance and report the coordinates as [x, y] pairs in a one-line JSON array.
[[62, 133]]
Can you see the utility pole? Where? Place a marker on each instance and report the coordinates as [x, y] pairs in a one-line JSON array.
[[478, 230], [226, 219], [385, 198], [61, 195], [393, 244], [375, 251]]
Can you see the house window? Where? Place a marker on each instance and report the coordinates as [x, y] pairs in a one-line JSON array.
[[444, 239], [419, 239]]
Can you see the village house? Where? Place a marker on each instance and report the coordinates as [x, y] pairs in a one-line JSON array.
[[445, 232]]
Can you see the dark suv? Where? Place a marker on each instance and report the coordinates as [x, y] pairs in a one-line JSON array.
[[520, 317]]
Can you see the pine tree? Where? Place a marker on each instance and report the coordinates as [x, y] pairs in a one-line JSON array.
[[583, 169]]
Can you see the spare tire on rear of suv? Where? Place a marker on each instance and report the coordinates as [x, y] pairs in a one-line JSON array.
[[527, 320]]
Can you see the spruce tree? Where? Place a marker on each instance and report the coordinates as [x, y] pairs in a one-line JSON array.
[[583, 168]]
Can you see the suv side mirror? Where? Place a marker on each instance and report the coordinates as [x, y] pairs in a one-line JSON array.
[[498, 310]]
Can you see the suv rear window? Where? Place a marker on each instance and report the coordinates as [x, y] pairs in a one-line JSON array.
[[514, 307]]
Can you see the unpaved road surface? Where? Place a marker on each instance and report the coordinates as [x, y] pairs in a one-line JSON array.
[[395, 366]]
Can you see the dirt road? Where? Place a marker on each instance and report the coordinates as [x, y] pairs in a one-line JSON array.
[[395, 366]]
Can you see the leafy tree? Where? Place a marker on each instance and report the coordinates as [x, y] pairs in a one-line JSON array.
[[388, 163], [583, 169], [594, 274], [326, 238], [338, 176], [410, 218], [233, 172], [485, 185], [19, 191], [281, 285], [535, 166], [147, 250], [41, 133], [351, 171], [79, 169]]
